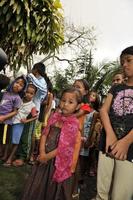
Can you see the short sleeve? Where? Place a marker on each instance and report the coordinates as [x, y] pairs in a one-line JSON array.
[[17, 102], [114, 89]]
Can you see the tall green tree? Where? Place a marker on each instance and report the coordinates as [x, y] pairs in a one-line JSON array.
[[99, 76], [75, 40], [80, 44], [30, 26]]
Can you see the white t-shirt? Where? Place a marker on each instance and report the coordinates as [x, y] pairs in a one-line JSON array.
[[24, 110]]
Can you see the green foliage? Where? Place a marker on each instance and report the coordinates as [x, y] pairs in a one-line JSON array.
[[79, 43], [30, 26], [61, 81], [99, 76], [103, 76]]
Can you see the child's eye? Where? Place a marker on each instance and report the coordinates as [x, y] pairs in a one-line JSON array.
[[77, 87], [70, 102], [129, 60]]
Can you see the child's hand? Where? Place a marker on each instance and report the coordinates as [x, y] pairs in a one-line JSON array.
[[120, 149], [44, 124], [23, 121], [83, 139], [42, 158], [110, 140], [2, 118], [91, 145]]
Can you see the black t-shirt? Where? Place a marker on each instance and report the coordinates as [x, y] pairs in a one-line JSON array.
[[121, 114]]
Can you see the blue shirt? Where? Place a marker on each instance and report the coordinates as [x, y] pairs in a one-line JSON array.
[[41, 85]]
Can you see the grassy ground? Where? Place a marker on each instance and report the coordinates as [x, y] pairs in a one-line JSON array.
[[12, 181]]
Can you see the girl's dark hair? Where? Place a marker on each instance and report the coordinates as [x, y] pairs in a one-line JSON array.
[[41, 69], [127, 51], [49, 85], [75, 91], [85, 83], [21, 93]]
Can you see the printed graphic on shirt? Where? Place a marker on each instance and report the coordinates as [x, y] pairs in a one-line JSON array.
[[123, 103]]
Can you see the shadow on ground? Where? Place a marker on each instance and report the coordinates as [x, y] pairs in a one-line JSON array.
[[90, 191], [12, 181]]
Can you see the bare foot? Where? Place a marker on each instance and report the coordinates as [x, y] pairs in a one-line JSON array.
[[18, 163]]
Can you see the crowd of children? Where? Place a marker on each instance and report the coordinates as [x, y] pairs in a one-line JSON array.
[[62, 138]]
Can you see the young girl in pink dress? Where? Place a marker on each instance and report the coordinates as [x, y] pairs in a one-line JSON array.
[[52, 175]]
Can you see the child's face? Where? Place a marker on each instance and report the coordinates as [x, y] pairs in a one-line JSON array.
[[68, 103], [92, 97], [118, 78], [18, 86], [30, 93], [127, 64], [79, 85]]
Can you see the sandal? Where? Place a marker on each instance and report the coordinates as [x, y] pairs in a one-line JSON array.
[[75, 196], [92, 173], [31, 162], [7, 164]]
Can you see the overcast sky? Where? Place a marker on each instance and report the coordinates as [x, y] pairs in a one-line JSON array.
[[112, 20]]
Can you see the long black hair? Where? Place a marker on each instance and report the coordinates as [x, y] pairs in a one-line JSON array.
[[127, 51], [41, 69]]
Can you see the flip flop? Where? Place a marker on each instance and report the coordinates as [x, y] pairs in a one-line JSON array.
[[6, 164], [75, 196], [31, 162]]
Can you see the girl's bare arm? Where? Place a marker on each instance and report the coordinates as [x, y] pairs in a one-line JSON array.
[[7, 116], [110, 135], [43, 156]]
